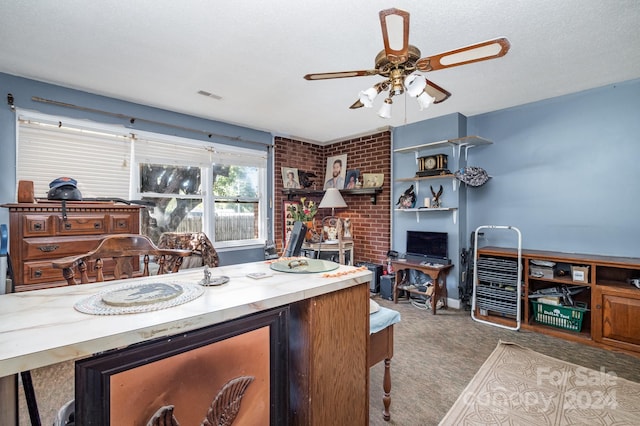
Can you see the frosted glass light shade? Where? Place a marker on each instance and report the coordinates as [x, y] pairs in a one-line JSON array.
[[385, 110], [415, 84], [368, 96], [424, 100]]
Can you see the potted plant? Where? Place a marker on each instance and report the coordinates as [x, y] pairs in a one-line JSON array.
[[305, 212]]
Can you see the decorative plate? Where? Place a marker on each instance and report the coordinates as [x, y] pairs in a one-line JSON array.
[[304, 265], [213, 281], [136, 298], [145, 294]]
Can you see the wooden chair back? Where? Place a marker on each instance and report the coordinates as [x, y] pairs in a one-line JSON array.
[[125, 250]]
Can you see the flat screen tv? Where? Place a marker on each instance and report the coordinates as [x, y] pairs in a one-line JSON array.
[[428, 244]]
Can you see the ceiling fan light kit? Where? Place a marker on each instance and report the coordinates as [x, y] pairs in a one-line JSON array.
[[399, 61], [424, 100], [385, 109], [368, 96]]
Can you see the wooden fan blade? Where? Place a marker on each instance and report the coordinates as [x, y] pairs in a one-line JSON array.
[[437, 92], [341, 74], [489, 49], [395, 34], [357, 104]]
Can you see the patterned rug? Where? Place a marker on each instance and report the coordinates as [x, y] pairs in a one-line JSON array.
[[517, 386]]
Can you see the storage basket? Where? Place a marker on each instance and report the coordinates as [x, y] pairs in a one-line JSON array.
[[565, 317]]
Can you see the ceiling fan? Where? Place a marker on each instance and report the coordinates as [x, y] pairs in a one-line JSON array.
[[399, 61]]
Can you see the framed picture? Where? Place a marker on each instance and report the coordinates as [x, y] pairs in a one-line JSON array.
[[290, 178], [372, 180], [336, 172], [351, 179], [288, 209], [187, 375]]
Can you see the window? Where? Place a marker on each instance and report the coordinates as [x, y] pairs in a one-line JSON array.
[[195, 185]]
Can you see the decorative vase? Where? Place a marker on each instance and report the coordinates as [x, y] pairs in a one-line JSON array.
[[310, 230]]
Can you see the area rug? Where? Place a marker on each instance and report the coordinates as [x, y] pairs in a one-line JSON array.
[[518, 386]]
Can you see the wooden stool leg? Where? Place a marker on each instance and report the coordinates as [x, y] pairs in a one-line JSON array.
[[386, 387]]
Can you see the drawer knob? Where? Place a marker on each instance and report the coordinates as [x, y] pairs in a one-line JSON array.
[[37, 226], [48, 249], [37, 274], [67, 225], [97, 225]]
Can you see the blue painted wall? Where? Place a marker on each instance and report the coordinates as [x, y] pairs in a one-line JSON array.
[[404, 165], [566, 172], [23, 90]]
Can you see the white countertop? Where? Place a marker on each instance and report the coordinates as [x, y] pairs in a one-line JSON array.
[[41, 327]]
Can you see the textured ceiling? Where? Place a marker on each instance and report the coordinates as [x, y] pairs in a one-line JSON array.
[[253, 55]]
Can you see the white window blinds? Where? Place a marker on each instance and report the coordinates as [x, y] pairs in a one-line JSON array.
[[99, 161], [189, 154]]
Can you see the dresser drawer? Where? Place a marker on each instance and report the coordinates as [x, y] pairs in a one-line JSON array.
[[57, 247], [37, 225], [123, 224], [82, 224], [42, 271]]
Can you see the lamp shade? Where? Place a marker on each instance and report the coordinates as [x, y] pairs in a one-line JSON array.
[[332, 199]]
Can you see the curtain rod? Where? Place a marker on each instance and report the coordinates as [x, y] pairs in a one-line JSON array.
[[134, 119]]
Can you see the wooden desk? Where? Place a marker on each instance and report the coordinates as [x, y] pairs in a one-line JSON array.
[[319, 248], [437, 273], [41, 327]]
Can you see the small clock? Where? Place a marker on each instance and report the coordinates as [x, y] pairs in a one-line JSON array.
[[430, 162], [432, 165]]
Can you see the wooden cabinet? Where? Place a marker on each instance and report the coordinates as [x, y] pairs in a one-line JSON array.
[[612, 318], [329, 373], [45, 231]]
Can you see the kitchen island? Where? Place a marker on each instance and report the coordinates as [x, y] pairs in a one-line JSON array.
[[327, 331]]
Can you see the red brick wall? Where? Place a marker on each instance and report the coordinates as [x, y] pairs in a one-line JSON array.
[[370, 224]]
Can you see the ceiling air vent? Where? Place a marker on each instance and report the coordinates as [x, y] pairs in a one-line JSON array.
[[209, 94]]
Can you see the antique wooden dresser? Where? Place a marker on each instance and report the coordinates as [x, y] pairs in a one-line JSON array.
[[46, 230]]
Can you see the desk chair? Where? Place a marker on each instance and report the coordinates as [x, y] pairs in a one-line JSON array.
[[124, 250]]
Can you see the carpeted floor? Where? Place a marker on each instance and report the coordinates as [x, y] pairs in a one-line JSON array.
[[435, 357], [519, 386]]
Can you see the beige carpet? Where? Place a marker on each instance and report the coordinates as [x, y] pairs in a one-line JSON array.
[[518, 386]]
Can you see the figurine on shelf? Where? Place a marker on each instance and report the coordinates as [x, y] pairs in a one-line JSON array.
[[408, 199], [347, 229], [436, 203], [305, 178]]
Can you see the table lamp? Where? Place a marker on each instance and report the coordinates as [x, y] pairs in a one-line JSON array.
[[332, 199]]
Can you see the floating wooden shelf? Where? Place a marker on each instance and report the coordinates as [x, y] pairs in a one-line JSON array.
[[292, 193]]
